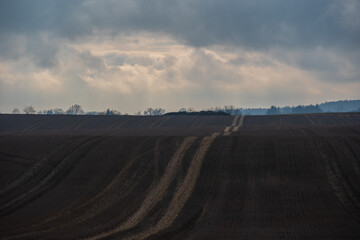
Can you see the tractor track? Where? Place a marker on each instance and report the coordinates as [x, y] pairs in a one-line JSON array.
[[53, 176]]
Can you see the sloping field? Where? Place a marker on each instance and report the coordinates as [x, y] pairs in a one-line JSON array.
[[113, 125], [180, 177]]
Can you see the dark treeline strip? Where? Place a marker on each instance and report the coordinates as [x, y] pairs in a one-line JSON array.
[[335, 106]]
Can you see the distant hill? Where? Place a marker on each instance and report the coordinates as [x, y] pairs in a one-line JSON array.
[[341, 106]]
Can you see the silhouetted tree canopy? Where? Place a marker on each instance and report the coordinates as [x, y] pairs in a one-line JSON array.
[[29, 110], [154, 111], [273, 110], [306, 109], [75, 109]]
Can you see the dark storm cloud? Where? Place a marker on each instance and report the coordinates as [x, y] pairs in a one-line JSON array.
[[254, 24], [35, 29], [248, 23], [62, 17]]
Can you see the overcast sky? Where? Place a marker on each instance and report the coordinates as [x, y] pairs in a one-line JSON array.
[[133, 54]]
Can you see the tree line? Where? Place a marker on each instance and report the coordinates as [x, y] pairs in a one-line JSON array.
[[273, 110], [76, 109], [338, 106]]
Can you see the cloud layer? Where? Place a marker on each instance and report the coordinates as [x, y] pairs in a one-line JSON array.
[[132, 54]]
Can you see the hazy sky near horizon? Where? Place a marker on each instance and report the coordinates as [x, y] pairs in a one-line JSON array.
[[133, 54]]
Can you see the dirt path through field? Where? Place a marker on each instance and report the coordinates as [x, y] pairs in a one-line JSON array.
[[156, 193], [241, 122], [228, 128], [183, 192], [236, 124]]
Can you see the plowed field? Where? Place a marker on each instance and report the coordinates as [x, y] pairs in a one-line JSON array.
[[180, 177]]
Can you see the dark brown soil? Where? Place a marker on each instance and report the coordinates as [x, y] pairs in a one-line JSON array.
[[180, 177]]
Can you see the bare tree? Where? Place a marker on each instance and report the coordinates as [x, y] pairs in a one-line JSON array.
[[109, 112], [154, 111], [218, 109], [29, 110], [190, 109], [75, 109], [229, 109]]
